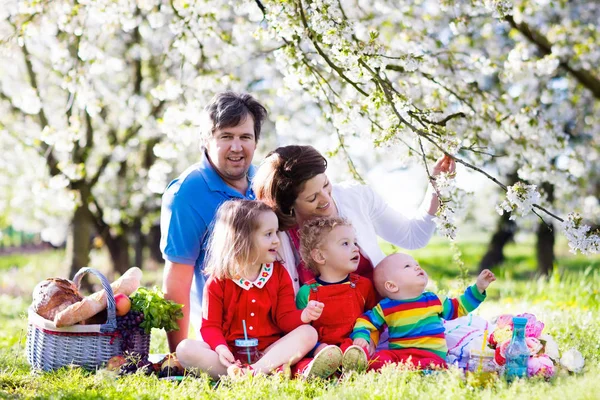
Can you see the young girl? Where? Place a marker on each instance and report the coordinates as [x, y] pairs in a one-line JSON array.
[[247, 285]]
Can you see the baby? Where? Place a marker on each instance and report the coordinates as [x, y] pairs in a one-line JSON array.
[[413, 316]]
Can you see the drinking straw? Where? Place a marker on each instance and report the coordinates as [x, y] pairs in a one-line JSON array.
[[246, 337], [480, 367]]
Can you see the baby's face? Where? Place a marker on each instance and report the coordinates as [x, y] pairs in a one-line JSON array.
[[407, 274]]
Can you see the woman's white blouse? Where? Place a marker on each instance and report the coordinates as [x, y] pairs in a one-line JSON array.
[[371, 217]]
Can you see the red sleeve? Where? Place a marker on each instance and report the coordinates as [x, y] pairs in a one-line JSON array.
[[370, 295], [287, 316], [212, 313]]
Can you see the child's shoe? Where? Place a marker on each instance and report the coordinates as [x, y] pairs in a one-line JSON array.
[[354, 359], [325, 363]]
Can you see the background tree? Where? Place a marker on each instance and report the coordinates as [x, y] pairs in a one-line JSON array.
[[460, 79], [100, 101], [105, 98]]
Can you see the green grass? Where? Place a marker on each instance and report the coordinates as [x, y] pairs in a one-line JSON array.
[[568, 302], [12, 261]]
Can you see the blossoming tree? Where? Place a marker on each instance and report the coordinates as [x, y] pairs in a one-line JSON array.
[[100, 99], [487, 83], [101, 105]]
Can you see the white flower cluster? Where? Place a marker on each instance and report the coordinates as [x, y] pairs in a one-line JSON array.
[[453, 205], [445, 184], [500, 8], [520, 199], [445, 220], [580, 236]]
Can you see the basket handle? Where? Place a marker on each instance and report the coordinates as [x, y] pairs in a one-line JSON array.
[[111, 322]]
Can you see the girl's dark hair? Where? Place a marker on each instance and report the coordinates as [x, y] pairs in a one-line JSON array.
[[281, 177]]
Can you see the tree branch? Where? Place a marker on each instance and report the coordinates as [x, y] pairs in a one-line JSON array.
[[586, 78], [325, 57], [51, 160], [128, 136], [262, 7]]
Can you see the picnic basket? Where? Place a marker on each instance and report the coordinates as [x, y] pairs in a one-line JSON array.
[[89, 346]]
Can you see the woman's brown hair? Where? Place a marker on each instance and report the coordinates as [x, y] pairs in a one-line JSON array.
[[281, 177]]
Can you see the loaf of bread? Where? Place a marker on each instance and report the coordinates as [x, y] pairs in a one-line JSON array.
[[94, 303], [53, 295]]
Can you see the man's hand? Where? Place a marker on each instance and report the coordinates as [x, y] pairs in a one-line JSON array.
[[177, 283], [484, 279], [225, 356], [312, 311]]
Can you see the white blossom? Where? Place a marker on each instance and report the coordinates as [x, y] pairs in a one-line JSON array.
[[580, 236], [520, 199], [445, 221]]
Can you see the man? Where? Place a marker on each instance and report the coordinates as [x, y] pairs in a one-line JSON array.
[[190, 202]]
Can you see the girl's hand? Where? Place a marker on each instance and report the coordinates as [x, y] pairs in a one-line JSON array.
[[225, 356], [484, 279], [444, 164], [312, 311]]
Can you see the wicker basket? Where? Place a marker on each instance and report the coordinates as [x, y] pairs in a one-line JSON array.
[[88, 346]]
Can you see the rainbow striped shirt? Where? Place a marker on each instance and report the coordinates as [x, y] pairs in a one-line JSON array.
[[417, 323]]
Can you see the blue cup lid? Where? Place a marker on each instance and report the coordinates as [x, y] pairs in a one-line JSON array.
[[246, 342], [519, 321]]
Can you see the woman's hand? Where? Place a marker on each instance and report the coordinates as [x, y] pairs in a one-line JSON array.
[[445, 164], [312, 311], [225, 356]]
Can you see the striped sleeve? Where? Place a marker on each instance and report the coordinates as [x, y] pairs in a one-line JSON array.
[[371, 321], [459, 307], [302, 297]]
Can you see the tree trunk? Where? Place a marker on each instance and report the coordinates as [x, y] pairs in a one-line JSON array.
[[118, 247], [505, 232], [545, 238], [78, 240], [153, 241], [139, 242], [545, 248]]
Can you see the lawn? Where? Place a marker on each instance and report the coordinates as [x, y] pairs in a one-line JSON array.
[[568, 302]]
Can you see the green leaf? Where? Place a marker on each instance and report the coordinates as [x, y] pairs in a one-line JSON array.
[[158, 312]]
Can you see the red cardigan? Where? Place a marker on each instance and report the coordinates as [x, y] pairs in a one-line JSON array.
[[269, 312]]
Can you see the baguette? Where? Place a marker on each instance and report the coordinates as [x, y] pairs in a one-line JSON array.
[[96, 302]]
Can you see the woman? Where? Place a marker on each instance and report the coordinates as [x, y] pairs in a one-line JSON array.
[[293, 182]]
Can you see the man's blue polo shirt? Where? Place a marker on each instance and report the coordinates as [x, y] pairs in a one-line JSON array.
[[189, 206]]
